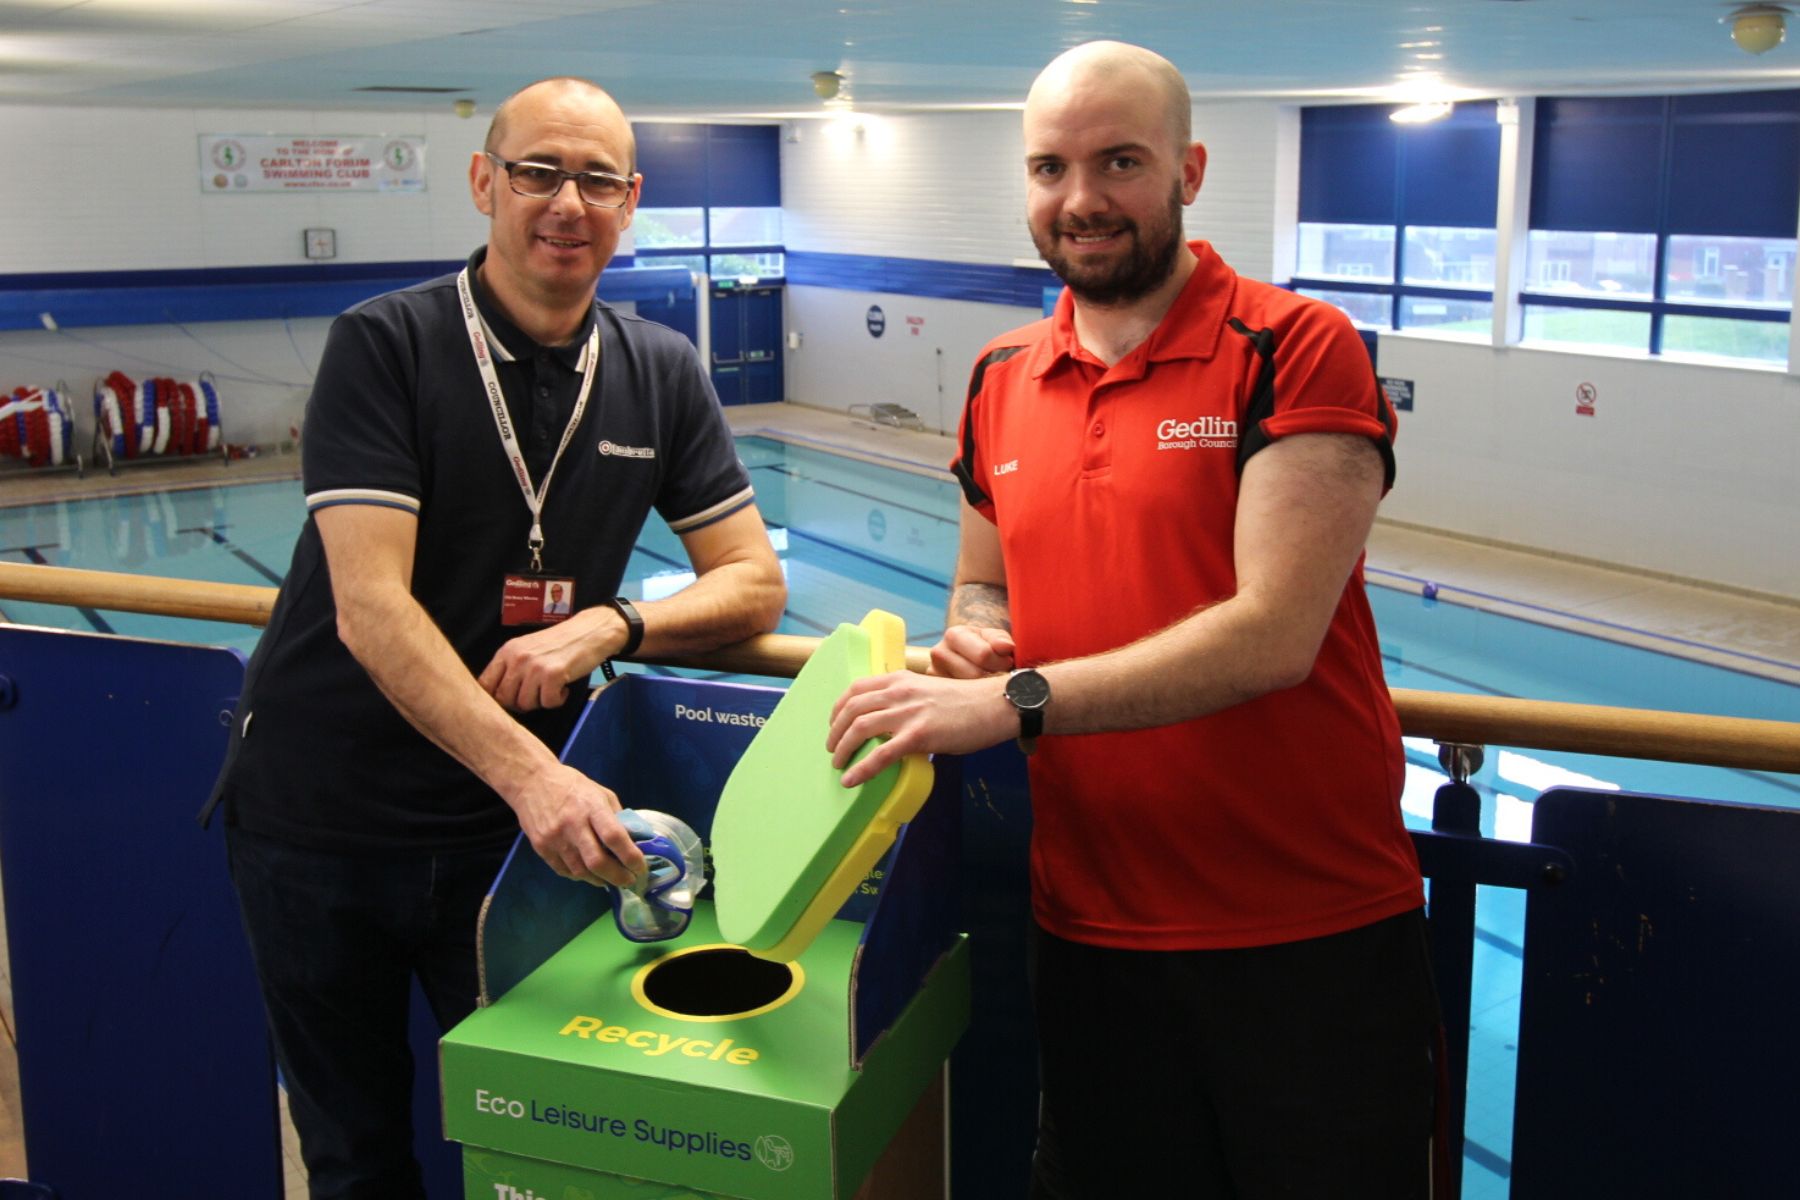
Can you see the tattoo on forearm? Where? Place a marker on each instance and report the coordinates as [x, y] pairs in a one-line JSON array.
[[980, 604]]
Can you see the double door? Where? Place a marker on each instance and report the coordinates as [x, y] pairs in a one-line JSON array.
[[746, 339]]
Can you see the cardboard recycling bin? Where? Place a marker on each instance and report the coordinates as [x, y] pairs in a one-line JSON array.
[[598, 1067]]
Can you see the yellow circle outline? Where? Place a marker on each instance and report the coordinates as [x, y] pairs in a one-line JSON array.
[[796, 982]]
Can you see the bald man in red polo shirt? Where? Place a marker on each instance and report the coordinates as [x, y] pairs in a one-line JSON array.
[[1168, 486]]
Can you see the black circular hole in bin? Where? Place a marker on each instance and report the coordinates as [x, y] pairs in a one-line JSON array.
[[716, 983]]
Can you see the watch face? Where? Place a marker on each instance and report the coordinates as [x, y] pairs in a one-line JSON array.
[[1027, 689]]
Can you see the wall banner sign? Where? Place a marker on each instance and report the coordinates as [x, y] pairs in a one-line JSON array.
[[305, 162]]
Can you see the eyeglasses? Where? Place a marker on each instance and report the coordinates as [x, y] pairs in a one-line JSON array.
[[540, 181]]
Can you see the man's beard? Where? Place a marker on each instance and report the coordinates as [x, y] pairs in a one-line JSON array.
[[1146, 267]]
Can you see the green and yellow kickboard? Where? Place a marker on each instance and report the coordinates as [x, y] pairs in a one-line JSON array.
[[790, 843]]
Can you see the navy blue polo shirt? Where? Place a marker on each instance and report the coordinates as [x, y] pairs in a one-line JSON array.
[[398, 418]]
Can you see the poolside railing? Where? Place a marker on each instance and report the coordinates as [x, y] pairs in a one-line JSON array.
[[1739, 742]]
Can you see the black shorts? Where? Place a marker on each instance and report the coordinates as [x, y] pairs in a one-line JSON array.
[[1302, 1070]]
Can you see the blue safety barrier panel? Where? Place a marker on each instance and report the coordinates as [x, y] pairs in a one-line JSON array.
[[140, 1026], [144, 1069], [1657, 1054]]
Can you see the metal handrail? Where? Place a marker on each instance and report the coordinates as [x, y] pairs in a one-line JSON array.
[[1739, 742]]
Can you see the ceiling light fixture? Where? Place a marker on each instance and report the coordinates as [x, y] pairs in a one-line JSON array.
[[1758, 28], [1423, 111], [826, 84]]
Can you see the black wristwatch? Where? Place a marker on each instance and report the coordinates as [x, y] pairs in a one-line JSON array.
[[634, 626], [1029, 692]]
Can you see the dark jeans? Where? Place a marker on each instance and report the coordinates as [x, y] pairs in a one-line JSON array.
[[336, 940], [1298, 1070]]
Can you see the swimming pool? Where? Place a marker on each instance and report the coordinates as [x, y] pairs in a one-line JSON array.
[[854, 536]]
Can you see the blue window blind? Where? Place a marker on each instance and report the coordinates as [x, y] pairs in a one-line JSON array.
[[1715, 164], [1734, 164], [744, 166], [1349, 162], [1597, 164], [1359, 168], [672, 160], [702, 166], [1450, 169]]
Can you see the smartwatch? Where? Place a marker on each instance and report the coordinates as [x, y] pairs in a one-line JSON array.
[[1029, 692], [634, 626]]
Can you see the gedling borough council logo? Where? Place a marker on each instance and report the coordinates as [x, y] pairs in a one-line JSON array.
[[773, 1152]]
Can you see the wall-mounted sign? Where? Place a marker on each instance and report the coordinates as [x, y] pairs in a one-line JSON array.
[[305, 162], [876, 319], [1399, 392], [1585, 396]]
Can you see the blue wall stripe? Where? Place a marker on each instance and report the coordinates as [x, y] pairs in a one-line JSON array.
[[218, 276], [87, 298], [981, 282]]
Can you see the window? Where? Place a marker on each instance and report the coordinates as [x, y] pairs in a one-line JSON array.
[[707, 189], [1366, 310], [1593, 264], [669, 228], [1397, 222], [768, 265], [1347, 251], [1730, 271], [1449, 256], [1634, 244], [745, 226]]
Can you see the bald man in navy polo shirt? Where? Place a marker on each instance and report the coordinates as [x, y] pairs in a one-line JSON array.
[[481, 452]]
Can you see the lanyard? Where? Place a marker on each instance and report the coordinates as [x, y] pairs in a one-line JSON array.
[[509, 442]]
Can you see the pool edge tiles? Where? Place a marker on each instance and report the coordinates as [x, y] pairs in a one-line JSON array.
[[1743, 662], [186, 476]]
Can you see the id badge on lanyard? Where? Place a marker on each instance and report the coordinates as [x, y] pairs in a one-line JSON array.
[[530, 597]]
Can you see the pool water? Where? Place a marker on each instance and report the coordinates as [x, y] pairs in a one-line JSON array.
[[854, 536]]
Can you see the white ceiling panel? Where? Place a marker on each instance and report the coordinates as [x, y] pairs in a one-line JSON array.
[[746, 58]]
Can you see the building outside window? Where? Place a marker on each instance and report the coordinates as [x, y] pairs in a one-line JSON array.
[[1634, 244]]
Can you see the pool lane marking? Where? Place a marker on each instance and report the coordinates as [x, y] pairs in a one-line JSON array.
[[90, 615], [870, 496], [787, 612], [217, 534], [1402, 663], [933, 580], [1484, 1157]]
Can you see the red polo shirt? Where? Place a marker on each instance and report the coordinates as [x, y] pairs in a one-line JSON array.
[[1114, 491]]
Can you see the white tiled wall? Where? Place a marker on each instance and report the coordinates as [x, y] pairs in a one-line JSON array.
[[1687, 470], [944, 187], [951, 187], [110, 189]]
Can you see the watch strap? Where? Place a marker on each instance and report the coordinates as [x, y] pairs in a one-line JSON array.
[[634, 626]]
